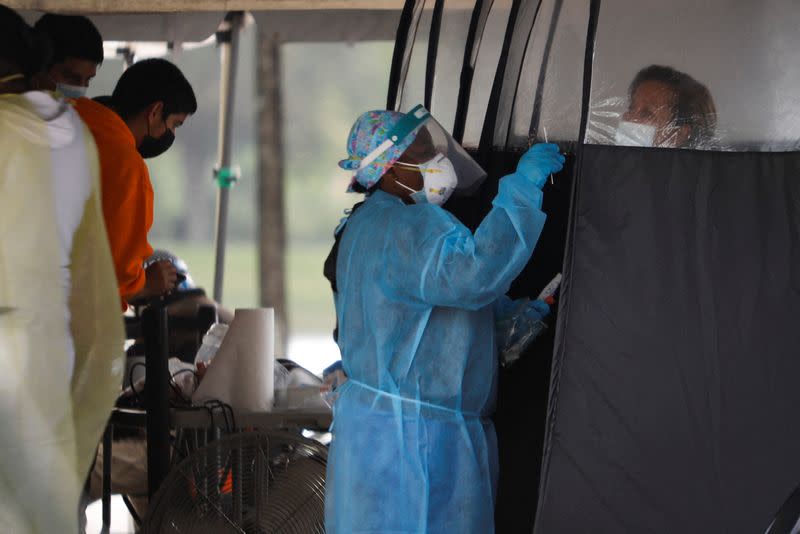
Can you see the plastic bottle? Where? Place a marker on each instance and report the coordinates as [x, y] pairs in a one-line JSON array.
[[211, 343]]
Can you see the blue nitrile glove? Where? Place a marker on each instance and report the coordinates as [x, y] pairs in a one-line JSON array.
[[335, 366], [517, 325], [539, 162], [537, 310]]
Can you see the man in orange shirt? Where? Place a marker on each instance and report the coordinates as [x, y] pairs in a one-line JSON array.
[[151, 100]]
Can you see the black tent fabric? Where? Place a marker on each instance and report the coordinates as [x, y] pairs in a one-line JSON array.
[[787, 520], [523, 387], [674, 394]]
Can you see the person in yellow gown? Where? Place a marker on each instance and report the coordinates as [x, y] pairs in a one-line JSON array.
[[61, 335]]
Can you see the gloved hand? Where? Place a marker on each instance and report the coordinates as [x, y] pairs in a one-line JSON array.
[[518, 324], [537, 310], [539, 162]]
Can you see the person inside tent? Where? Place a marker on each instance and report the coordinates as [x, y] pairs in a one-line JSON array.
[[417, 300], [668, 108], [77, 53], [150, 102], [62, 342]]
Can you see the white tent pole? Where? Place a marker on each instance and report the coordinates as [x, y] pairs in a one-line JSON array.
[[228, 39]]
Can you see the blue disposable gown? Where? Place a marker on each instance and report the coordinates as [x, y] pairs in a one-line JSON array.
[[413, 448]]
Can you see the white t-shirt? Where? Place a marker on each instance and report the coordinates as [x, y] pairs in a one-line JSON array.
[[71, 182]]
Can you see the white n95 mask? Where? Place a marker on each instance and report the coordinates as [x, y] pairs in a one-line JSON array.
[[439, 180], [634, 134]]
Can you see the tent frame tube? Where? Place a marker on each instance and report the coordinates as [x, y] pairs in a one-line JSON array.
[[400, 43], [490, 120], [468, 71], [228, 40], [548, 48], [433, 51]]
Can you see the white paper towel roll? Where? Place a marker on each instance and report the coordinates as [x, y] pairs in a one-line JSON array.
[[242, 372]]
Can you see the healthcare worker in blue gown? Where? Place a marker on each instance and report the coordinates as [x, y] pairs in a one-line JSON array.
[[417, 298]]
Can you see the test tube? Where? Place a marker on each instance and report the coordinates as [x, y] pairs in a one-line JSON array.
[[544, 128]]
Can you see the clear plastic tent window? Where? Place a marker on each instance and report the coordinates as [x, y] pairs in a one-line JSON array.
[[484, 60], [413, 85], [550, 81], [543, 75], [712, 75], [445, 72]]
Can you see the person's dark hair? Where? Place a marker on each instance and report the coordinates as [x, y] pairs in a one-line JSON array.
[[358, 188], [105, 100], [71, 36], [694, 105], [22, 51], [149, 81]]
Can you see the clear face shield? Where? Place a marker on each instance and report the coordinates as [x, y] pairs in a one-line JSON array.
[[445, 167]]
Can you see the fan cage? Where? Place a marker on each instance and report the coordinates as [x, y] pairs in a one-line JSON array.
[[249, 482]]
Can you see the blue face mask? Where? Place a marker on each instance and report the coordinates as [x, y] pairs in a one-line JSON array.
[[71, 91]]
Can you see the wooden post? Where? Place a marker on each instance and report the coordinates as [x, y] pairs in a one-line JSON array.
[[271, 220]]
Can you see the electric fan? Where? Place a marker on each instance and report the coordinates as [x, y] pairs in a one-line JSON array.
[[249, 483]]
